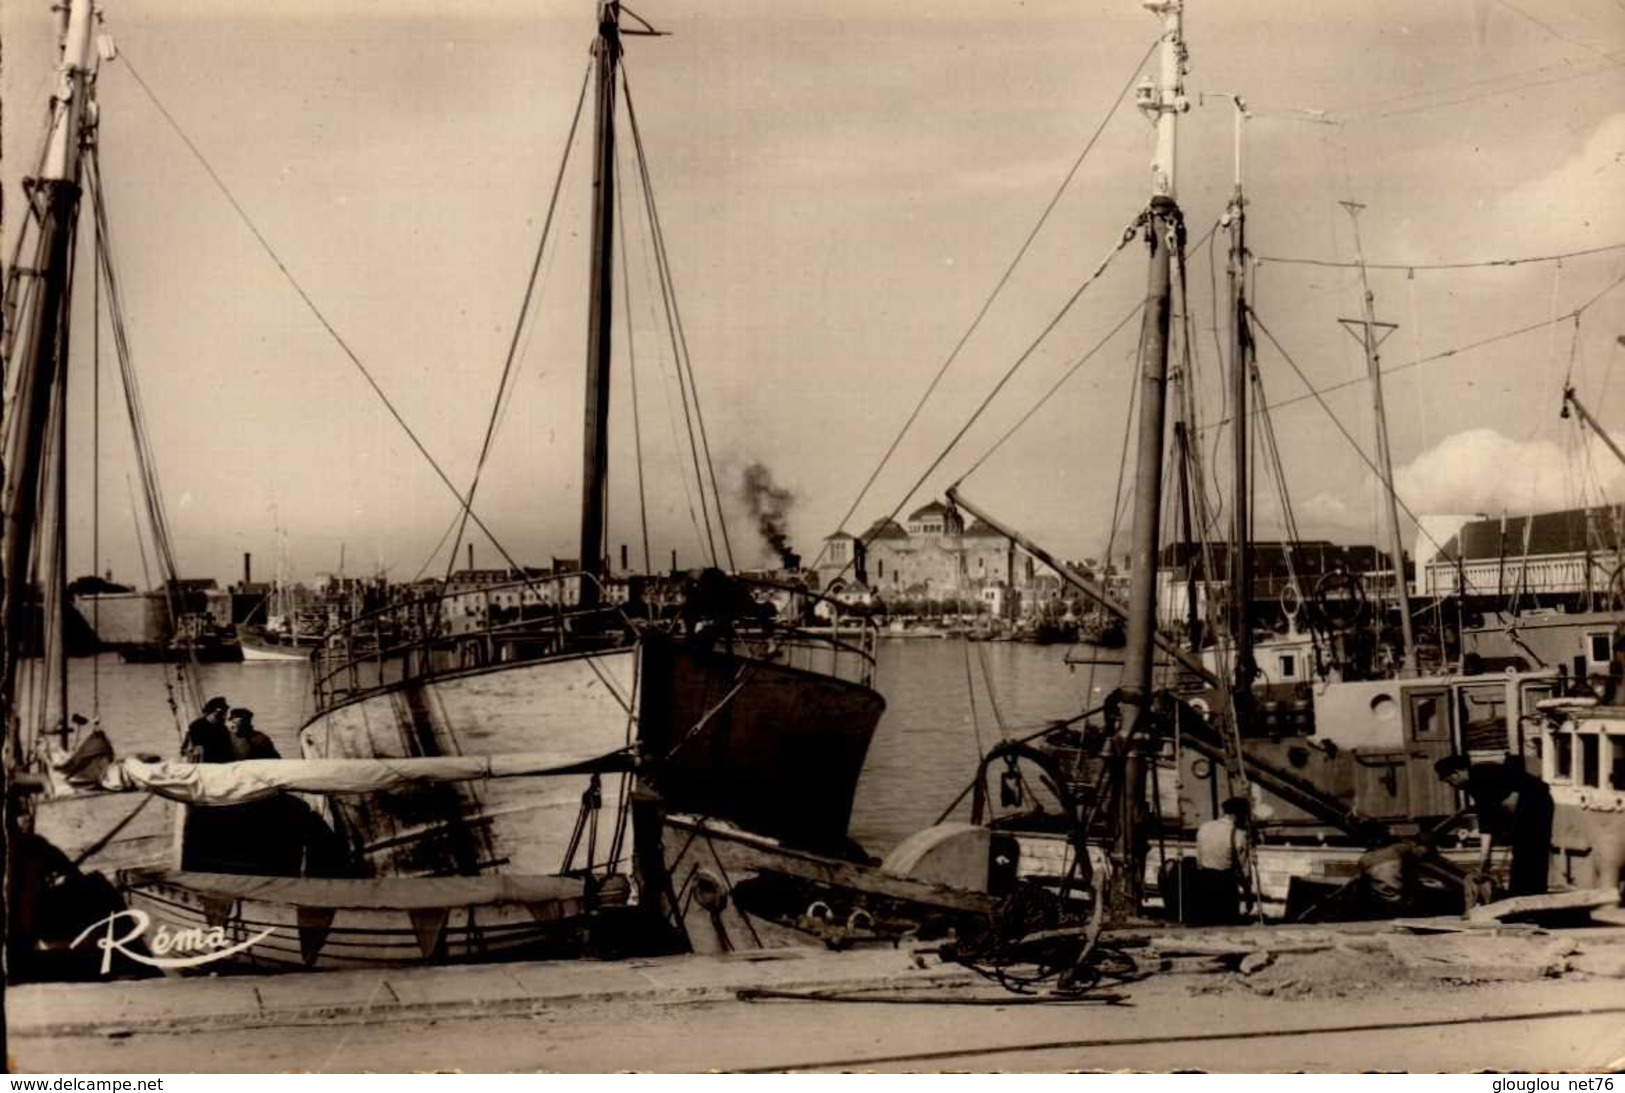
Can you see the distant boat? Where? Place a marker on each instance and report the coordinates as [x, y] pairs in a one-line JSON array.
[[265, 645]]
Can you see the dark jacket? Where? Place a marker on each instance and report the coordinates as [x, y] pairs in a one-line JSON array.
[[210, 742]]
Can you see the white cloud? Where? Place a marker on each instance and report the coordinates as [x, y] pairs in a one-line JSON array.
[[1480, 470], [1576, 203]]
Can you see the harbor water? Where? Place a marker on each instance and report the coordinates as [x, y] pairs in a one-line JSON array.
[[947, 700]]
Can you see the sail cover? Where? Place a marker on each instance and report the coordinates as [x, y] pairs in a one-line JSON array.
[[258, 779]]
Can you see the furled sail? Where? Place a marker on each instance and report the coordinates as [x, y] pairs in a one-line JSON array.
[[258, 779]]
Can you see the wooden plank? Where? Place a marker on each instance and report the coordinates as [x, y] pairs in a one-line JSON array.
[[1460, 926], [1581, 899]]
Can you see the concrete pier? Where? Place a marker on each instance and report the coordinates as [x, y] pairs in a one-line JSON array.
[[1314, 1001]]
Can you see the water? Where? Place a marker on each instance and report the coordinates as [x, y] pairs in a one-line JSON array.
[[923, 754], [132, 700], [931, 738]]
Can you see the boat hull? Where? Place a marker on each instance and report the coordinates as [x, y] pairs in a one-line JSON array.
[[273, 924], [260, 647], [771, 747], [575, 708], [735, 890]]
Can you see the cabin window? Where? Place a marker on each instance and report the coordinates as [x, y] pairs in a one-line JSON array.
[[1616, 762], [1429, 717], [1287, 664], [1563, 756], [1600, 651], [1590, 758], [1483, 711]]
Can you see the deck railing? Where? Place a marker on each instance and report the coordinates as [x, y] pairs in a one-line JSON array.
[[539, 617]]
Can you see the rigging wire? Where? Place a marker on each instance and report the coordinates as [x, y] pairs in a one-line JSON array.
[[1072, 370], [146, 457], [1601, 70], [1120, 500], [1559, 35], [320, 316], [1128, 236], [685, 363], [970, 700], [1419, 267], [632, 372], [1400, 501], [998, 288], [96, 474], [1316, 392], [503, 386]]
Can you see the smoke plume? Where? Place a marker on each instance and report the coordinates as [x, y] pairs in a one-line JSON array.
[[769, 505]]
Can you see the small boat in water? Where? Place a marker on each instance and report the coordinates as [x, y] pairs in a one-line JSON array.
[[266, 645]]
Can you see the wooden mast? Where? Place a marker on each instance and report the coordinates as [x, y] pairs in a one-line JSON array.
[[42, 333], [600, 307], [1241, 547], [1371, 334], [1161, 101]]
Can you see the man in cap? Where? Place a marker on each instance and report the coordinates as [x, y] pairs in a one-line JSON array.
[[207, 740], [247, 742]]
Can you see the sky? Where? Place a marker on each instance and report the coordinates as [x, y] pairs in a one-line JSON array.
[[841, 187]]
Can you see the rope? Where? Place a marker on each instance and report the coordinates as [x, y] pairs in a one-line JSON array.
[[519, 327], [632, 375], [318, 314], [1342, 429], [998, 288], [679, 339], [970, 696], [1128, 236], [992, 695], [141, 440], [1315, 392], [1415, 267], [1056, 386], [96, 847]]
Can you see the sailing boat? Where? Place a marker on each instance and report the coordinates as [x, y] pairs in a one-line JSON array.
[[741, 716], [1338, 770], [735, 714], [54, 911]]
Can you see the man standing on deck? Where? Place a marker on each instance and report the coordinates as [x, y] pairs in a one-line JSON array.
[[1514, 809], [247, 742], [1221, 864], [207, 740]]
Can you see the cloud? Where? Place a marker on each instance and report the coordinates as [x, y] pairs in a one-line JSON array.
[[1480, 470], [1474, 471], [1576, 203]]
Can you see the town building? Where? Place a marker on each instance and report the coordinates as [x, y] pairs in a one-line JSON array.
[[933, 557], [1568, 558]]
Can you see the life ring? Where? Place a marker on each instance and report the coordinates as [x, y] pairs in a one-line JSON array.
[[1291, 600], [1344, 610]]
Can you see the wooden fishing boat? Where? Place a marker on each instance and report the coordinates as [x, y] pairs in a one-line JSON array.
[[747, 716], [320, 923]]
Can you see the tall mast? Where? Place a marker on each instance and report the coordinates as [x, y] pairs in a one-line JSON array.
[[1163, 102], [600, 307], [1241, 546], [1371, 335], [42, 333]]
